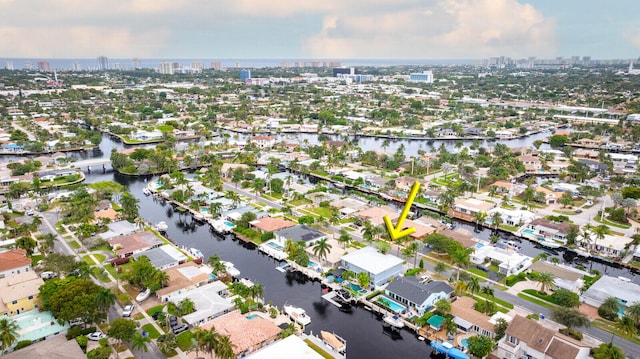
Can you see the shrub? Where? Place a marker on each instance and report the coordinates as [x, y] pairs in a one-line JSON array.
[[77, 331], [23, 343], [82, 342], [606, 313], [575, 334], [412, 272], [266, 236], [533, 316]]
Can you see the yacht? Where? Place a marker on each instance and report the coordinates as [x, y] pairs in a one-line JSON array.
[[195, 253], [394, 321], [161, 226], [297, 314], [549, 243], [334, 341], [231, 269], [146, 191], [221, 226]]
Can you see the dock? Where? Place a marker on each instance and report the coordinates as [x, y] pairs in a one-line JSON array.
[[329, 298]]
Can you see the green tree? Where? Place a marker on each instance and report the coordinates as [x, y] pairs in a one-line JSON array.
[[566, 199], [461, 258], [187, 306], [570, 317], [566, 298], [130, 206], [480, 345], [633, 311], [440, 268], [8, 332], [321, 249], [216, 264], [364, 280], [626, 326], [609, 308], [608, 351], [224, 348], [500, 328], [122, 329], [140, 342], [546, 281], [105, 299], [76, 299], [473, 285], [167, 342], [442, 306], [344, 237], [487, 290], [572, 234], [27, 243]]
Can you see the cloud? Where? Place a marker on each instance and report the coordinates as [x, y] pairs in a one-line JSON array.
[[445, 29], [633, 37]]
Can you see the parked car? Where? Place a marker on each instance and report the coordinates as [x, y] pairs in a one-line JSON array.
[[144, 294], [96, 336], [179, 328], [126, 312], [47, 275], [173, 320]]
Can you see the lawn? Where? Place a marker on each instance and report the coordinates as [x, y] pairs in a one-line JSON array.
[[87, 259], [184, 340], [300, 202], [537, 301], [35, 259], [612, 223], [98, 273], [496, 300], [74, 245], [323, 212], [155, 309], [153, 332], [318, 350], [100, 257], [606, 326], [478, 272]]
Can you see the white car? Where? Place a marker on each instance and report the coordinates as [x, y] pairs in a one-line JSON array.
[[96, 336], [144, 294], [126, 312]]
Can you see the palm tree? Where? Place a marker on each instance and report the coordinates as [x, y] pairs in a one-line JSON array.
[[233, 197], [546, 281], [461, 258], [161, 278], [8, 333], [344, 238], [140, 342], [207, 339], [369, 232], [443, 306], [496, 220], [321, 249], [224, 348], [633, 311], [187, 306], [600, 232], [480, 217], [216, 264], [256, 291], [626, 326], [105, 299], [215, 208], [487, 290], [167, 342], [473, 285]]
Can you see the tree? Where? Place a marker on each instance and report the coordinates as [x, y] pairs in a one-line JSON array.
[[600, 232], [364, 280], [167, 342], [8, 332], [609, 308], [224, 348], [500, 328], [626, 326], [633, 311], [27, 243], [122, 329], [480, 345], [443, 306], [344, 237], [383, 246], [130, 206], [461, 258], [76, 299], [140, 342], [487, 290], [546, 281], [496, 219], [473, 285], [187, 306], [207, 339], [566, 298], [216, 264], [369, 232], [105, 299], [566, 199], [321, 249], [570, 317], [572, 234], [608, 351]]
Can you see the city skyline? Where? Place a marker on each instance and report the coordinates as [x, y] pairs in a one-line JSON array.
[[384, 29]]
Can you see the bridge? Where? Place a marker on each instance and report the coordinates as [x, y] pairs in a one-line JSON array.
[[91, 162]]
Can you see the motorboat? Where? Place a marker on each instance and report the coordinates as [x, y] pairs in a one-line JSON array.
[[144, 294], [146, 191], [282, 267], [195, 253], [549, 243], [161, 226], [343, 294], [334, 341], [513, 245], [582, 252], [221, 226], [231, 269], [298, 315], [394, 321]]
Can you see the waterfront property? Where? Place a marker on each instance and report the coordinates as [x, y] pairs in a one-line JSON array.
[[467, 208], [509, 262], [470, 320], [247, 333], [299, 233], [620, 288], [528, 338], [117, 229], [511, 217], [130, 244], [291, 347], [163, 257], [182, 279], [544, 230], [271, 224], [420, 297], [211, 301], [380, 267], [19, 292], [565, 277], [14, 262]]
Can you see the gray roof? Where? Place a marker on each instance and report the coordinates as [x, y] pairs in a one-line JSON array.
[[158, 257], [300, 233], [607, 287], [409, 288]]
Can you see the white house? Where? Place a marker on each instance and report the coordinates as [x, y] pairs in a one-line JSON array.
[[408, 291], [509, 262], [380, 267], [511, 217], [620, 288], [211, 301], [142, 135]]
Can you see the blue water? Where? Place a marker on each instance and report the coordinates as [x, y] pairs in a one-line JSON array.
[[252, 316], [355, 287], [312, 264], [464, 342], [479, 245], [228, 224], [528, 231], [275, 245], [393, 305]]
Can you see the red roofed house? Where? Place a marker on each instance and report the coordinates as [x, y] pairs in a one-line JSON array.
[[271, 224], [247, 335], [14, 262]]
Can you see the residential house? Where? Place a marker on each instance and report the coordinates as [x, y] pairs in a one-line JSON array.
[[291, 347], [54, 347], [14, 262], [526, 338], [348, 206], [299, 233], [509, 262], [264, 142], [420, 297], [532, 164], [511, 217], [467, 208], [142, 135], [19, 292], [375, 215], [247, 335], [589, 142], [508, 188], [550, 197], [271, 224], [566, 277], [183, 278], [380, 267], [470, 320], [625, 291], [211, 301], [541, 229], [130, 244], [163, 257], [405, 183]]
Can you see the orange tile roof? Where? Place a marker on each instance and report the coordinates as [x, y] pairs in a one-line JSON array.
[[13, 259], [270, 224], [244, 333]]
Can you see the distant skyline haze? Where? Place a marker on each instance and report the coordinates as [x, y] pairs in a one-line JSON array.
[[328, 29]]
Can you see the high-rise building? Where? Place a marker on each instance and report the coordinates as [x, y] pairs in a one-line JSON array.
[[103, 63], [245, 74], [424, 76], [77, 66], [137, 64], [197, 65], [216, 66], [28, 65], [166, 68], [44, 66], [9, 65], [344, 71]]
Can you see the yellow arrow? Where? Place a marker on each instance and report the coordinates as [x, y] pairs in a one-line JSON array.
[[397, 232]]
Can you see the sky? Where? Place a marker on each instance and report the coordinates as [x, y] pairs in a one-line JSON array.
[[321, 29]]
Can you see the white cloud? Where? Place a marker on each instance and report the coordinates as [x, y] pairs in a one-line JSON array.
[[445, 29]]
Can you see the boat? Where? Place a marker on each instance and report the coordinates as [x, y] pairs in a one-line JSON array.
[[343, 294], [298, 315], [394, 321], [144, 294], [146, 191], [345, 306], [221, 226], [231, 269], [582, 252], [198, 216], [282, 267], [161, 226], [195, 253], [513, 245], [334, 341], [549, 244]]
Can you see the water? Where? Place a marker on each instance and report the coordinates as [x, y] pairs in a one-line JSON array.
[[393, 305]]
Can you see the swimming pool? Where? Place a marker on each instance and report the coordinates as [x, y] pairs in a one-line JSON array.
[[464, 342], [354, 287], [312, 264], [275, 246], [229, 224], [252, 316], [528, 231], [479, 245], [393, 305]]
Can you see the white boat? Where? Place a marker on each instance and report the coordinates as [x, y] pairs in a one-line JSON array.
[[162, 226], [146, 191], [582, 252], [394, 321], [549, 244], [195, 253], [513, 245], [282, 267], [198, 216], [334, 341], [221, 226], [143, 295], [231, 269], [297, 314]]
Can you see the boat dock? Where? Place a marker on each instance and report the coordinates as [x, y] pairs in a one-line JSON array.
[[329, 298]]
